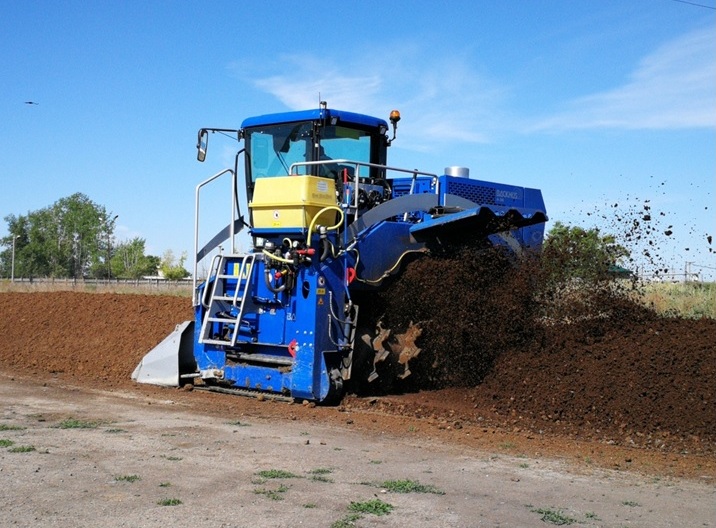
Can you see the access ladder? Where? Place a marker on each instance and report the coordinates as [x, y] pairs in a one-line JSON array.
[[223, 306]]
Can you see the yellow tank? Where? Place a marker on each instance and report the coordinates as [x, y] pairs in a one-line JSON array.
[[291, 202]]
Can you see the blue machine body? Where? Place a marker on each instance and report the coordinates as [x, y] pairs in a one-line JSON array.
[[281, 319]]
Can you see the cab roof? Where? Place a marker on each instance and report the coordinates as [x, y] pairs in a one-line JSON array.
[[314, 115]]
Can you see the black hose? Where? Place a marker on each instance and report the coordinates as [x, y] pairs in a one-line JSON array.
[[267, 278]]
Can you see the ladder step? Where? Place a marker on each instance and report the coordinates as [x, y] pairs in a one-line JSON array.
[[228, 298], [221, 320], [224, 342]]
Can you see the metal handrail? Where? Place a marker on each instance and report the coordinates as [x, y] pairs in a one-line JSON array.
[[357, 165], [196, 220], [293, 171], [213, 270]]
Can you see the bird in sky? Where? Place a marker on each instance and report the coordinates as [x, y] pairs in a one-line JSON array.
[[31, 103]]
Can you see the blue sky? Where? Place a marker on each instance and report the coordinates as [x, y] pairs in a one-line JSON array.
[[597, 103]]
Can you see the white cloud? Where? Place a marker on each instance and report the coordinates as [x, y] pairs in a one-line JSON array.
[[674, 87], [308, 79], [444, 99]]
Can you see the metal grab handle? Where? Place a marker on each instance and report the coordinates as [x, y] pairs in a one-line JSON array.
[[214, 265]]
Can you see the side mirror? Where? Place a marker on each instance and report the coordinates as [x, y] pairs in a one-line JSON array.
[[202, 144]]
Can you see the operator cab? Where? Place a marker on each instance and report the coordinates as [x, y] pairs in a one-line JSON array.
[[322, 142]]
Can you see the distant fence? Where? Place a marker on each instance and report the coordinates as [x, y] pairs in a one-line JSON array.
[[148, 284]]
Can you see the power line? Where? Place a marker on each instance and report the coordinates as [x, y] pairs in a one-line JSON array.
[[694, 4]]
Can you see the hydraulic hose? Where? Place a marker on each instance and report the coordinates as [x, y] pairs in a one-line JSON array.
[[276, 257], [267, 279], [313, 222]]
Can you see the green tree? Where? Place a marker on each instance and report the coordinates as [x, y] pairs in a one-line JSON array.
[[575, 252], [130, 262], [67, 239], [173, 268]]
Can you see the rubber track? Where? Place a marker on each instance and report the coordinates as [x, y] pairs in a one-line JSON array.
[[246, 392]]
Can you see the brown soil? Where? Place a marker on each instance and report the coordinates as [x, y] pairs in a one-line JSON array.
[[634, 392]]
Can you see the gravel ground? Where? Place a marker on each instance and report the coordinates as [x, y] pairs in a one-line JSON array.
[[149, 447]]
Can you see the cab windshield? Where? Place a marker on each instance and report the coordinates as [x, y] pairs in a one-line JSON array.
[[273, 149]]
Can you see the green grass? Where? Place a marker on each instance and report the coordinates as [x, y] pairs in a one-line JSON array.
[[172, 458], [553, 516], [276, 474], [310, 505], [372, 507], [319, 474], [272, 494], [410, 486], [115, 431], [72, 423], [348, 521], [6, 427], [690, 300], [321, 471], [165, 484], [127, 478], [237, 423], [169, 502], [22, 449], [4, 442], [630, 503]]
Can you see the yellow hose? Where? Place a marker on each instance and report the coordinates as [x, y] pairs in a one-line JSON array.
[[275, 257], [313, 222]]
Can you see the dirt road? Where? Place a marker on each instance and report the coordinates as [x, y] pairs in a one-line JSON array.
[[106, 458]]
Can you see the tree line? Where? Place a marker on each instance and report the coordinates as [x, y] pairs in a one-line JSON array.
[[74, 238]]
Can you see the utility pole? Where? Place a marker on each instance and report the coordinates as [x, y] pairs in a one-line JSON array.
[[109, 248], [12, 266]]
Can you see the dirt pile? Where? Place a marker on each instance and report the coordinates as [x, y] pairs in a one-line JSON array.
[[84, 336], [631, 378], [541, 351]]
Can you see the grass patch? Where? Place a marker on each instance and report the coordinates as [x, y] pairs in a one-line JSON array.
[[22, 449], [169, 502], [372, 507], [319, 474], [237, 423], [115, 431], [127, 478], [347, 521], [524, 465], [310, 505], [272, 494], [690, 300], [6, 427], [321, 471], [4, 442], [552, 516], [630, 503], [172, 458], [165, 484], [410, 486], [276, 474], [73, 423]]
